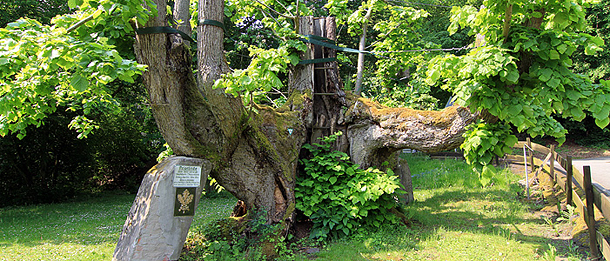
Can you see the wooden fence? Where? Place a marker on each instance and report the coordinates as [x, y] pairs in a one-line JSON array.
[[582, 185]]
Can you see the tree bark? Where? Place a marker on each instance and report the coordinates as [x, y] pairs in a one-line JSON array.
[[255, 155], [376, 131]]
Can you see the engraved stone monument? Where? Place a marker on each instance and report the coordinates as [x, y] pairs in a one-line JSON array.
[[163, 210]]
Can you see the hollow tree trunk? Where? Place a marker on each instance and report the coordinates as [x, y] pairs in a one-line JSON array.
[[255, 155]]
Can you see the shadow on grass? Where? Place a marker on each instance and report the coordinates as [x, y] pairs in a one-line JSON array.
[[488, 211], [456, 224]]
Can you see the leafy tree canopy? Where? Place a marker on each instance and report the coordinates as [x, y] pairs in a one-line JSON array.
[[39, 10], [44, 67], [522, 74]]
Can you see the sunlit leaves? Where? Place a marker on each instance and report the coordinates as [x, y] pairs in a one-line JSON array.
[[397, 35], [261, 76], [79, 82], [44, 67], [482, 143], [522, 80]]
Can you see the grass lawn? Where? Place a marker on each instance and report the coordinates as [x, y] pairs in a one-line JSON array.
[[81, 230], [453, 219]]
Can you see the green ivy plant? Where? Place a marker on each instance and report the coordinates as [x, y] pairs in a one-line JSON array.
[[339, 197]]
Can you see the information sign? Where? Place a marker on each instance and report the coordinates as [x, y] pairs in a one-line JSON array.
[[187, 176]]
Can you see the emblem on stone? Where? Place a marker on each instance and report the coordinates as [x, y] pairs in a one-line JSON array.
[[185, 199]]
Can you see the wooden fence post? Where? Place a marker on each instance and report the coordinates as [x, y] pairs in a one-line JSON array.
[[590, 212], [569, 180]]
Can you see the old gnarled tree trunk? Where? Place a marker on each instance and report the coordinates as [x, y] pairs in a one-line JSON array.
[[255, 155]]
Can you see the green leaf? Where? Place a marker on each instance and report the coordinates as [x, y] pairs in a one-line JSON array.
[[553, 83], [72, 4], [245, 80], [511, 140], [514, 110], [554, 55], [79, 82], [602, 123], [276, 82], [294, 59], [562, 19], [513, 76], [435, 75], [573, 95], [345, 230], [545, 74], [577, 113], [332, 180]]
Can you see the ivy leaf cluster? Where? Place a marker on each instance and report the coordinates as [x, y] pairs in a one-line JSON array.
[[339, 197]]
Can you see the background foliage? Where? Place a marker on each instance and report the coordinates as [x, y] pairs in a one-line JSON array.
[[48, 81]]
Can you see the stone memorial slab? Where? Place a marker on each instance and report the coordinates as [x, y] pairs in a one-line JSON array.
[[161, 215]]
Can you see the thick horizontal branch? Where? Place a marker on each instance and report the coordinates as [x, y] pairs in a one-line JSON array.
[[375, 127]]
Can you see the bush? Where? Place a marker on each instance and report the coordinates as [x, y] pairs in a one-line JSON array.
[[50, 164], [249, 238], [339, 197]]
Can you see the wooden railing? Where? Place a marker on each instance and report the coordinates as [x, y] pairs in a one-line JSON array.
[[593, 197]]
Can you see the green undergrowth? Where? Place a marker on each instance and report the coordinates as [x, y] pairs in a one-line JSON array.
[[454, 218], [339, 197]]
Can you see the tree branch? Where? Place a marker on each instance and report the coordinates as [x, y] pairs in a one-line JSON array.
[[361, 46], [181, 12], [508, 16], [275, 11]]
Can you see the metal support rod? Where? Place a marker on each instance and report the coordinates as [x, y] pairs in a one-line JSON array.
[[590, 212], [552, 163], [531, 157]]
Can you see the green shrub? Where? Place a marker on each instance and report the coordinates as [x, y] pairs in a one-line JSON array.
[[339, 197], [238, 239]]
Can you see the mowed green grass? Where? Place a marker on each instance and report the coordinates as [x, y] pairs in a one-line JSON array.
[[453, 219], [81, 230]]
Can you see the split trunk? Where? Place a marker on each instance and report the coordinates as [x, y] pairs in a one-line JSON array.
[[255, 156]]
